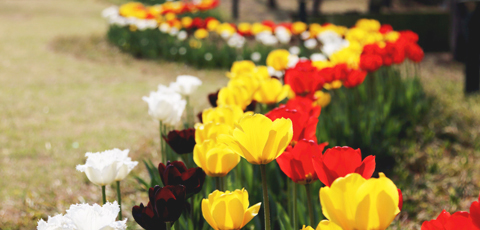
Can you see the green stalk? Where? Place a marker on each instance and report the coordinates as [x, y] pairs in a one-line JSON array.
[[162, 144], [169, 226], [265, 197], [119, 196], [218, 183], [309, 203], [289, 199], [104, 196], [294, 213]]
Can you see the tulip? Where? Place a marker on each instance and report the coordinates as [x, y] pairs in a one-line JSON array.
[[458, 220], [249, 82], [235, 96], [475, 213], [260, 141], [226, 114], [241, 67], [322, 99], [304, 78], [86, 217], [296, 162], [341, 161], [354, 78], [216, 159], [271, 91], [181, 142], [186, 84], [210, 131], [166, 106], [278, 59], [304, 117], [176, 173], [352, 202], [414, 52], [228, 210], [165, 206]]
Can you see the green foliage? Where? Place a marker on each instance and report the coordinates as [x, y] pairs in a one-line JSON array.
[[209, 53], [376, 115]]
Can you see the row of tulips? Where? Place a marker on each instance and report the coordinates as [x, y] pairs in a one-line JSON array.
[[227, 138], [366, 46]]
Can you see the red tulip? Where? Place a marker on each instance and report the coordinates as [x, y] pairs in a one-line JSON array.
[[354, 78], [385, 28], [176, 173], [304, 79], [166, 205], [296, 162], [475, 213], [414, 52], [409, 36], [445, 221], [304, 117], [371, 62], [181, 142], [341, 161], [400, 201]]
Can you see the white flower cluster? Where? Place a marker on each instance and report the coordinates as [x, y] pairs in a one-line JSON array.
[[166, 104], [103, 168], [86, 217]]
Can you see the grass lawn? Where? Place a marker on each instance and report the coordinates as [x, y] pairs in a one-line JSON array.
[[64, 91]]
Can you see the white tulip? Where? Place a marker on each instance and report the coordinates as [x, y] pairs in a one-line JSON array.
[[109, 12], [295, 50], [310, 43], [86, 217], [182, 35], [329, 37], [173, 31], [283, 35], [186, 84], [151, 23], [101, 168], [305, 35], [292, 61], [256, 56], [164, 27], [165, 106], [125, 165], [318, 57]]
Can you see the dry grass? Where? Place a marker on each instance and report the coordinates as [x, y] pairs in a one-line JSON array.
[[64, 91]]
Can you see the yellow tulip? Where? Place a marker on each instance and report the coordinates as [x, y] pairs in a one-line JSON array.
[[306, 228], [271, 91], [299, 27], [210, 131], [213, 24], [170, 16], [248, 82], [259, 27], [334, 85], [258, 139], [322, 99], [215, 158], [241, 67], [187, 22], [201, 33], [353, 202], [261, 72], [222, 114], [228, 210], [235, 95], [133, 9], [327, 225], [278, 59], [370, 25], [392, 36]]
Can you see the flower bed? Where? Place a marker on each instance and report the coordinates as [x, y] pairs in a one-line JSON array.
[[209, 43]]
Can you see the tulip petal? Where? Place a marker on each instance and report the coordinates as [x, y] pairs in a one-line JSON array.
[[250, 213], [377, 203], [235, 213], [207, 215], [338, 200], [367, 167], [220, 213], [327, 225]]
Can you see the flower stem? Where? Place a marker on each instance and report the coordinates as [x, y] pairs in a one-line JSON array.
[[266, 204], [294, 213], [119, 197], [104, 196], [309, 203], [169, 226], [162, 144]]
